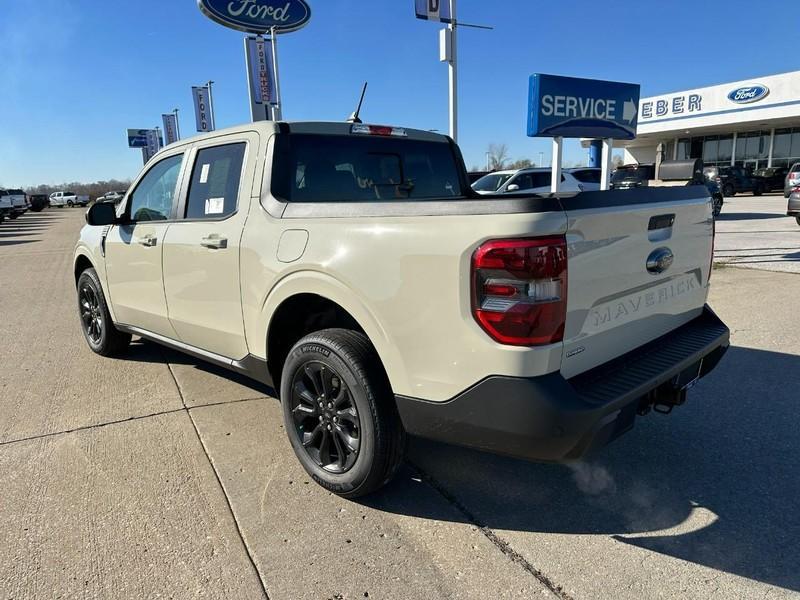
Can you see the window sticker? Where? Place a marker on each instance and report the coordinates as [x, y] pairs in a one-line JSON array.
[[215, 206], [204, 173]]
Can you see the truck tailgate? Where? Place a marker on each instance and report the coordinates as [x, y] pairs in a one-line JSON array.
[[615, 303]]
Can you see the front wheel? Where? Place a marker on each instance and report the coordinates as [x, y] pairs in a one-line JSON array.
[[69, 203], [339, 412], [797, 219], [98, 328], [728, 191]]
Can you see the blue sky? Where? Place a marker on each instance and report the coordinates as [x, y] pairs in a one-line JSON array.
[[77, 73]]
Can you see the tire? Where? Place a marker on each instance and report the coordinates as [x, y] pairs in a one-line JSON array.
[[757, 191], [98, 328], [797, 219], [717, 206], [357, 441], [728, 191], [70, 204]]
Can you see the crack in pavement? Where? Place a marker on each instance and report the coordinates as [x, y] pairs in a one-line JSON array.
[[218, 478], [495, 539], [125, 420]]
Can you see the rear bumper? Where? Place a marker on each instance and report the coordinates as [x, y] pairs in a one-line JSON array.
[[550, 418]]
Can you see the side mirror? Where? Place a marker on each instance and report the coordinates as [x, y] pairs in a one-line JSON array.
[[512, 188], [101, 213]]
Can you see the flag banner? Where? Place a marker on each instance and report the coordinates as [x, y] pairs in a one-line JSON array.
[[202, 110], [170, 121], [262, 75]]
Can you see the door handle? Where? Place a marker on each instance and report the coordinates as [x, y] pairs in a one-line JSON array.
[[148, 240], [214, 241]]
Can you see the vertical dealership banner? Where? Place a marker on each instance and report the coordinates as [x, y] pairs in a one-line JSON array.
[[153, 143], [433, 10], [170, 127], [202, 109], [262, 79]]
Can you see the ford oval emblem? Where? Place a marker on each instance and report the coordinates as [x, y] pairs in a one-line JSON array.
[[257, 16], [746, 95], [660, 260]]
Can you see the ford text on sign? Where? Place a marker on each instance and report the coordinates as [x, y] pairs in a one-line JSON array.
[[571, 107], [257, 16]]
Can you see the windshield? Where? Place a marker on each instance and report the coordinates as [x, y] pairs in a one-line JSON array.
[[490, 182], [331, 168], [629, 173]]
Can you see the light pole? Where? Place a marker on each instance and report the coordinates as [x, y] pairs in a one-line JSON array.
[[488, 154], [541, 159], [211, 107]]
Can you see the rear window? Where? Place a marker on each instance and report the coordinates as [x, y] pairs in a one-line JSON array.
[[632, 173], [587, 175], [16, 192], [3, 193], [332, 168]]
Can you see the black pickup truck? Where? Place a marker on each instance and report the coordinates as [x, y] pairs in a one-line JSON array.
[[735, 180]]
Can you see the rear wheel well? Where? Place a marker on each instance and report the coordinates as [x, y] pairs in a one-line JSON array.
[[81, 264], [295, 318]]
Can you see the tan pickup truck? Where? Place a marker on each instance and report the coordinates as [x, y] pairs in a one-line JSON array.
[[352, 267]]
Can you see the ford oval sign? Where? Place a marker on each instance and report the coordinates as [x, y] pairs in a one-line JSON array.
[[257, 16], [746, 95]]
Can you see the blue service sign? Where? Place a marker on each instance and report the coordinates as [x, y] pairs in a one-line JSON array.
[[582, 108], [257, 16], [137, 138]]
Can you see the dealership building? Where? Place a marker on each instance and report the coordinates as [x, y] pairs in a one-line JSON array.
[[753, 123]]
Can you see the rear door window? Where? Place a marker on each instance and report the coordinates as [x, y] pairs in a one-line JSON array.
[[334, 168], [214, 188]]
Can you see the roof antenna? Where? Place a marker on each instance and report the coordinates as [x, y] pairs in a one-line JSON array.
[[353, 118]]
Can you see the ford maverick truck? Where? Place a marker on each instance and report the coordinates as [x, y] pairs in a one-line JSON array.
[[352, 268]]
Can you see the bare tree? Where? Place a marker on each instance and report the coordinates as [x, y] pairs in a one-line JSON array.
[[498, 155], [522, 163]]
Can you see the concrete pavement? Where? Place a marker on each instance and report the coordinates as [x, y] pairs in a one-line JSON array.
[[159, 475]]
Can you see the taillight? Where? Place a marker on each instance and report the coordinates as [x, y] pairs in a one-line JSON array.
[[519, 290]]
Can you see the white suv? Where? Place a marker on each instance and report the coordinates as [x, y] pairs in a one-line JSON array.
[[534, 180]]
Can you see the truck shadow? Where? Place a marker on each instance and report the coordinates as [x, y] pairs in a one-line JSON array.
[[715, 483], [745, 216]]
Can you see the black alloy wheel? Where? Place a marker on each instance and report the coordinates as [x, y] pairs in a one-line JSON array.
[[91, 314], [339, 412], [325, 417], [728, 191], [98, 328]]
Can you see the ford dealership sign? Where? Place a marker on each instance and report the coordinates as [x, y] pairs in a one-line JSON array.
[[746, 95], [258, 16]]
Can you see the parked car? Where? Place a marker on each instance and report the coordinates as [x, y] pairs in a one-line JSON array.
[[38, 202], [736, 180], [62, 199], [792, 179], [533, 180], [6, 206], [772, 178], [630, 176], [18, 200], [793, 209], [382, 297], [113, 197], [589, 177]]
